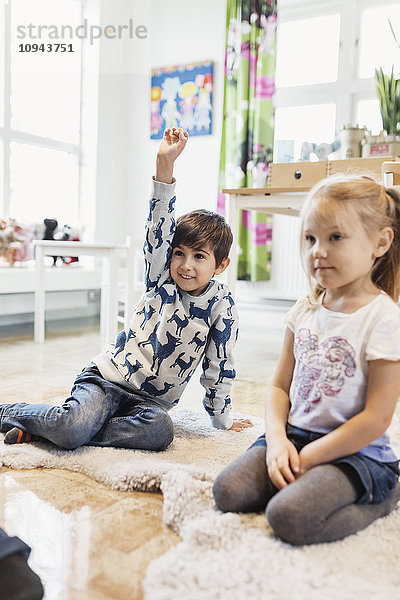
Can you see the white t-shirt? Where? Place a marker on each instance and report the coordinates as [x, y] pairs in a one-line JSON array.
[[332, 351]]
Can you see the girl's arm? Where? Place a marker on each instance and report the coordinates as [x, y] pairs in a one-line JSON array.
[[282, 457], [382, 394]]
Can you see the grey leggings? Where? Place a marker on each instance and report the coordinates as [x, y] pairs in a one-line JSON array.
[[318, 507]]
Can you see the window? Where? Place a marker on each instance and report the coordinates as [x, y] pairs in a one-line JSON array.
[[2, 59], [44, 182], [40, 108], [375, 27], [299, 62], [368, 112], [311, 123], [50, 80], [326, 55]]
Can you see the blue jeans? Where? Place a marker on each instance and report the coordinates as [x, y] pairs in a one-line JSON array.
[[12, 545], [98, 413]]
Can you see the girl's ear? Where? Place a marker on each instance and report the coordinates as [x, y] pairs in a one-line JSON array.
[[221, 268], [385, 240]]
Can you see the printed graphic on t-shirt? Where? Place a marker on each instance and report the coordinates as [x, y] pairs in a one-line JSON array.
[[321, 368]]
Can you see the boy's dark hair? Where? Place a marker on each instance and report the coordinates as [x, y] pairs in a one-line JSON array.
[[204, 228]]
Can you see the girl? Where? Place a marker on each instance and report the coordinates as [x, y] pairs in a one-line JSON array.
[[329, 467]]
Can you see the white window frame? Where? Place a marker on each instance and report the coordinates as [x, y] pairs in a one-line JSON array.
[[348, 89], [9, 135]]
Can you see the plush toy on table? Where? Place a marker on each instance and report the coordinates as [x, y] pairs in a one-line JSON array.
[[66, 233], [321, 151], [50, 227]]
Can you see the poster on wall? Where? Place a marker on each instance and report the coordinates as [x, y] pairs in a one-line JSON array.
[[181, 96]]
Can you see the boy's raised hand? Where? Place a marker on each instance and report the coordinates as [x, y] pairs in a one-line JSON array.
[[171, 146]]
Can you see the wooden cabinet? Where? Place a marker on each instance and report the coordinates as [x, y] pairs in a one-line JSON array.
[[298, 175]]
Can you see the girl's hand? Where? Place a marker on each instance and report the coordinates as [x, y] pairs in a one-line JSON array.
[[240, 424], [283, 462]]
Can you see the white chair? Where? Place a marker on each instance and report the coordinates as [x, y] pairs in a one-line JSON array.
[[126, 286]]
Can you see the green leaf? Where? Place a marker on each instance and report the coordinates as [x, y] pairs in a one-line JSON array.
[[388, 92], [393, 33]]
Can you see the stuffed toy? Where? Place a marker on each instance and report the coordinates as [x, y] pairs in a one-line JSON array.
[[67, 233], [321, 151], [50, 227], [15, 241]]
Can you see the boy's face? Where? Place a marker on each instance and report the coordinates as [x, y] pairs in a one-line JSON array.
[[193, 268]]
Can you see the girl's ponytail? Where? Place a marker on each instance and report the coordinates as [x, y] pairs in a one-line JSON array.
[[386, 270]]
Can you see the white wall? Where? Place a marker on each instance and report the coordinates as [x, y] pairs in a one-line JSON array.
[[187, 32], [179, 32], [122, 145]]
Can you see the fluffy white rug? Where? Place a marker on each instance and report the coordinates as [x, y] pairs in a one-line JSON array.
[[227, 556], [197, 448], [236, 556]]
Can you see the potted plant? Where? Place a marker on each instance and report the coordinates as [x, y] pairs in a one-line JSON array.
[[388, 90]]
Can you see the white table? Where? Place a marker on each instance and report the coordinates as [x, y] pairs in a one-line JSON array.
[[289, 200], [110, 254], [281, 201]]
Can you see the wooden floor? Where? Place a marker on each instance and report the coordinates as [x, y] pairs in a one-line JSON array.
[[90, 542]]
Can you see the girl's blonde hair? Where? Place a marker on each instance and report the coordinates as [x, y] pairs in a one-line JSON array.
[[377, 206]]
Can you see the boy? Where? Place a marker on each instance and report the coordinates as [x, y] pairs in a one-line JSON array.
[[121, 399]]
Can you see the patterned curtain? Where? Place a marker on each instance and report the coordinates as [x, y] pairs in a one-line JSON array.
[[248, 123]]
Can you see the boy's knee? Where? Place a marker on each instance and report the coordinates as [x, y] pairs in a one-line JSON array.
[[287, 519], [162, 431], [67, 429], [70, 438]]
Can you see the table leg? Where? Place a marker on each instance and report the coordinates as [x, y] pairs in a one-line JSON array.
[[130, 281], [232, 217], [104, 296], [112, 317], [39, 321]]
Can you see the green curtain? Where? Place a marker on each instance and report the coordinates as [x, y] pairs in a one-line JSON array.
[[248, 123]]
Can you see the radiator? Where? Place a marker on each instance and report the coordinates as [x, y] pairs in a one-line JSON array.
[[287, 277]]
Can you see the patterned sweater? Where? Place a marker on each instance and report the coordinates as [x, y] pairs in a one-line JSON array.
[[171, 332]]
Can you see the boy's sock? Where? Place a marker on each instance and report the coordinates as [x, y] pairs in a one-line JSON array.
[[17, 436], [17, 580]]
